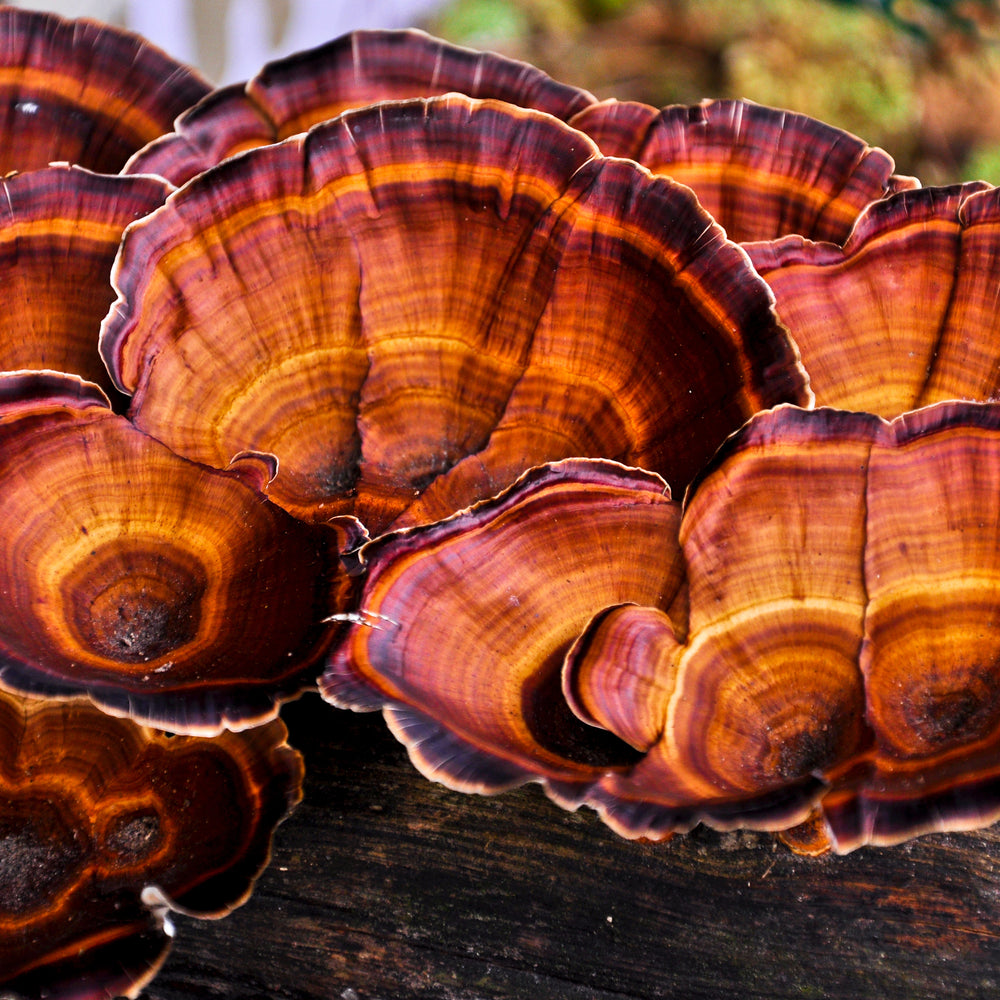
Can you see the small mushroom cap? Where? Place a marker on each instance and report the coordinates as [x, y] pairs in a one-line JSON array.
[[97, 809], [165, 590], [761, 172], [83, 92], [463, 624], [423, 299], [60, 228], [292, 94], [851, 312]]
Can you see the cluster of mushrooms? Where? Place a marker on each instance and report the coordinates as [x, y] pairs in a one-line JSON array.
[[386, 373]]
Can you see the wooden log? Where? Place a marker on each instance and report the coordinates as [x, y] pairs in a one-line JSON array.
[[384, 886]]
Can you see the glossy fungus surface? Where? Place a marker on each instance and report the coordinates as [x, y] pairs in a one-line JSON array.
[[904, 315], [842, 643], [165, 590], [761, 172], [60, 228], [83, 92], [293, 94], [412, 304], [105, 823], [464, 623]]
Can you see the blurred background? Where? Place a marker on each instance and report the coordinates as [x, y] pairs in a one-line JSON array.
[[921, 79]]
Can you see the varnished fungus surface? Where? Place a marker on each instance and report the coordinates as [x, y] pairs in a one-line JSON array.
[[761, 172], [842, 644], [166, 591], [97, 809], [425, 298], [291, 95], [60, 228], [83, 92], [464, 623], [852, 312]]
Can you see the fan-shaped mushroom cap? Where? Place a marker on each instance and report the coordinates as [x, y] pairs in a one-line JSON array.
[[761, 172], [931, 656], [843, 637], [906, 314], [83, 92], [434, 296], [291, 95], [165, 590], [464, 623], [95, 811], [60, 228], [766, 692]]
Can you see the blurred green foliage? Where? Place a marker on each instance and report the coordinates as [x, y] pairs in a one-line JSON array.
[[920, 78]]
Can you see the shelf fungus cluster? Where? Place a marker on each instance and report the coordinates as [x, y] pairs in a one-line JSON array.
[[596, 444]]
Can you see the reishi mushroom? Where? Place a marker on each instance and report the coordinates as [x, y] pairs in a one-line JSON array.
[[851, 311], [412, 304], [291, 95], [840, 653], [166, 591], [462, 624], [60, 227], [83, 92], [105, 825], [761, 172]]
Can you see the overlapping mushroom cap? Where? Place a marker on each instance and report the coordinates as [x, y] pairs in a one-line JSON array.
[[83, 92], [293, 94], [423, 299], [60, 228], [464, 623], [761, 172], [165, 590], [843, 577], [104, 824], [906, 313]]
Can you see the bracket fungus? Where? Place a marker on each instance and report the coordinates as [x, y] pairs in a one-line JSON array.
[[560, 304], [166, 591], [851, 311], [105, 825], [761, 172], [291, 95], [841, 648], [60, 227], [464, 623], [83, 92]]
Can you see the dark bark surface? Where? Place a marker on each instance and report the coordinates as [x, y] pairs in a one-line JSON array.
[[385, 885]]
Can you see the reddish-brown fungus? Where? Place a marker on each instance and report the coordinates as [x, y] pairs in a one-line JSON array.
[[83, 92], [105, 823], [852, 311], [464, 623], [761, 172], [167, 591], [293, 94], [60, 228], [414, 303]]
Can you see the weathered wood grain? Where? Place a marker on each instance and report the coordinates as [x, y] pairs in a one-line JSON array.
[[384, 885]]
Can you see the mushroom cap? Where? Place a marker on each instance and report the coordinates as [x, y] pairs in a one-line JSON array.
[[463, 624], [761, 172], [98, 809], [765, 695], [842, 645], [60, 227], [166, 591], [851, 312], [83, 92], [292, 94], [425, 298]]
